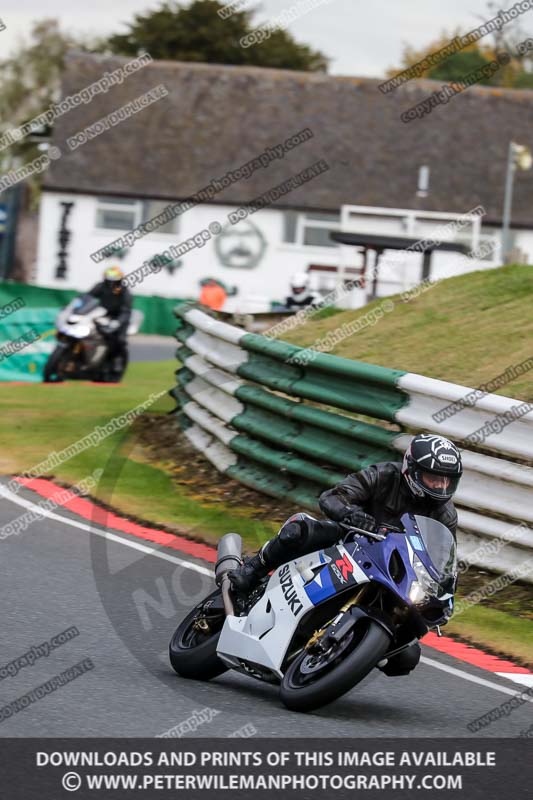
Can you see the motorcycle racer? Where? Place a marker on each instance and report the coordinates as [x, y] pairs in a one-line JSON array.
[[301, 295], [423, 483], [116, 298]]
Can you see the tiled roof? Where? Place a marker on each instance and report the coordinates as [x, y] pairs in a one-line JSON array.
[[216, 118]]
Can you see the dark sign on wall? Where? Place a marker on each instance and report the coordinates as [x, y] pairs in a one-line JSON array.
[[64, 238], [240, 246]]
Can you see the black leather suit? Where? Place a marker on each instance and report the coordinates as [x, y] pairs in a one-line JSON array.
[[379, 490], [118, 307]]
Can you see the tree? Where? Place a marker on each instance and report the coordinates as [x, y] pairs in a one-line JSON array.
[[30, 81], [516, 74], [458, 65], [198, 33]]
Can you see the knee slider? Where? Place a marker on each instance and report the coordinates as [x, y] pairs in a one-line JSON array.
[[293, 533], [403, 663]]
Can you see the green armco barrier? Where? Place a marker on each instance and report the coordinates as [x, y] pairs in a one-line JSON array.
[[303, 494], [277, 418], [285, 447], [330, 380], [283, 351], [341, 391], [284, 461], [306, 420], [336, 423], [318, 441], [182, 334], [159, 317], [309, 440], [28, 363]]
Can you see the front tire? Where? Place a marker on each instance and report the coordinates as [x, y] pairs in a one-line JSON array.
[[52, 371], [307, 686], [193, 653]]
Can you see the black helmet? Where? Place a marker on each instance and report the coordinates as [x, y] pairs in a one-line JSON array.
[[432, 467]]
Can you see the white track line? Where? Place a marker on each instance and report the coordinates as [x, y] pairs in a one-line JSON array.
[[473, 678], [518, 677], [14, 498], [112, 537]]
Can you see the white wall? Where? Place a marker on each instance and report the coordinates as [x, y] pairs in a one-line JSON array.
[[269, 280], [524, 241], [257, 286]]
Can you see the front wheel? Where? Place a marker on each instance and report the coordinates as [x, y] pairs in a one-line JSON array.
[[53, 372], [317, 678], [193, 648]]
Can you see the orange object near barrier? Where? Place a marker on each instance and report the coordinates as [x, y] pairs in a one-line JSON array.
[[213, 296]]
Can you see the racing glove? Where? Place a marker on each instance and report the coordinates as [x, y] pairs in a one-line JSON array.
[[359, 519], [107, 327]]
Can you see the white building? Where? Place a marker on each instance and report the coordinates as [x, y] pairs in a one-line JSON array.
[[378, 176]]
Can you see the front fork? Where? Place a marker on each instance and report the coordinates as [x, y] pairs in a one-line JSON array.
[[332, 628]]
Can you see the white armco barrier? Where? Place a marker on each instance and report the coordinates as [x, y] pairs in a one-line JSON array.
[[241, 425], [485, 424], [495, 508]]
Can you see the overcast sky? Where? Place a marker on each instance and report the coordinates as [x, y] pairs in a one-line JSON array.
[[361, 37]]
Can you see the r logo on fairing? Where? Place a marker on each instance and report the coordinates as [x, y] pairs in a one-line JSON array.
[[289, 592], [345, 566]]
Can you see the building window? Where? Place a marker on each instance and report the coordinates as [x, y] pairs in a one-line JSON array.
[[151, 208], [290, 221], [117, 214], [312, 229]]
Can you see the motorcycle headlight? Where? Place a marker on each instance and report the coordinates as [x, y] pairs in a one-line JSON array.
[[416, 593], [424, 584], [80, 331]]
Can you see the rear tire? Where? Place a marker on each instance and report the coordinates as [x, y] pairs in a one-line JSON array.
[[336, 680], [193, 655]]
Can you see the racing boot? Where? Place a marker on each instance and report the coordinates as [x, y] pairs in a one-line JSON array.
[[403, 662], [247, 577], [286, 545]]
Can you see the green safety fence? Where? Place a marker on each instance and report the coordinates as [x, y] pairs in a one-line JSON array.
[[264, 411], [282, 419], [27, 325], [27, 337], [158, 311]]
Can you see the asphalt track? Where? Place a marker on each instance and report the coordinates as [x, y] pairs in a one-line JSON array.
[[125, 597], [152, 348]]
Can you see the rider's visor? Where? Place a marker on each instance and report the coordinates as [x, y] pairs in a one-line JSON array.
[[438, 486]]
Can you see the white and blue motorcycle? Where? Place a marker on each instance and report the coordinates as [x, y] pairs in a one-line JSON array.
[[321, 623]]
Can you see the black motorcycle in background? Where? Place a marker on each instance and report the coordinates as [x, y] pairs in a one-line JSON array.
[[84, 338]]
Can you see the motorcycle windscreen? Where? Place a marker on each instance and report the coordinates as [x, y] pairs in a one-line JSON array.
[[440, 546], [86, 303]]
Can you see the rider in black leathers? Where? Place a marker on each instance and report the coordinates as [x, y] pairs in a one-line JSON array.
[[422, 484], [116, 298]]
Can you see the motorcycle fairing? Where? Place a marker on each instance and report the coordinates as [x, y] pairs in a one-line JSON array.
[[339, 572], [263, 636]]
